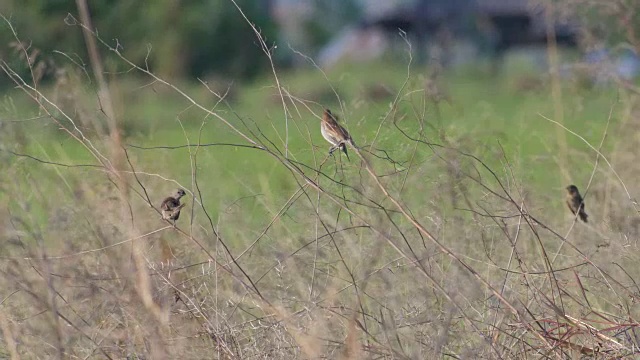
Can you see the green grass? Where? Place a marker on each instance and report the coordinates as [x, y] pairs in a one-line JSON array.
[[487, 115], [246, 194]]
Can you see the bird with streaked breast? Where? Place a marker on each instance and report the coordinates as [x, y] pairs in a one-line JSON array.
[[334, 133], [171, 206], [575, 202]]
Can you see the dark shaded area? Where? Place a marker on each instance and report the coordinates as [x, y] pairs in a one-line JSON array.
[[495, 26], [189, 38]]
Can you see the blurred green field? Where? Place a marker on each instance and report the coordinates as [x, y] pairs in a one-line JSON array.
[[485, 113]]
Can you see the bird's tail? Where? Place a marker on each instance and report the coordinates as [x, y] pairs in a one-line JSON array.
[[583, 216], [344, 150]]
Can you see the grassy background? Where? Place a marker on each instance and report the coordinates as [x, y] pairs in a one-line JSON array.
[[309, 251], [485, 112]]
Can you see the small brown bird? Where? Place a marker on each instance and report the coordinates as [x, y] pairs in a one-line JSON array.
[[171, 206], [575, 202], [334, 133]]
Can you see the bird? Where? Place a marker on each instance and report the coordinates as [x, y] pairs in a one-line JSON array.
[[334, 133], [575, 202], [171, 206]]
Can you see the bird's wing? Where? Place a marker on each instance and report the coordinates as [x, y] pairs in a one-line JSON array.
[[168, 204], [165, 205], [334, 127], [175, 210]]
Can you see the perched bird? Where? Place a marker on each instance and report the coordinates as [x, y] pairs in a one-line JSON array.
[[575, 202], [334, 133], [171, 206]]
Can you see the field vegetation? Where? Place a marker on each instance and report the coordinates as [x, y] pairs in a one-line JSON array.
[[444, 235]]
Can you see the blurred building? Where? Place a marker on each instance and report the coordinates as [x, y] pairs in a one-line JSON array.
[[492, 26], [306, 26]]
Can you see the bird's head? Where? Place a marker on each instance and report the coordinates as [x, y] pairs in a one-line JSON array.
[[328, 115], [572, 189], [180, 193]]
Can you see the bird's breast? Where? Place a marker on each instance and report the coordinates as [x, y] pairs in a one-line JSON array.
[[327, 135]]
